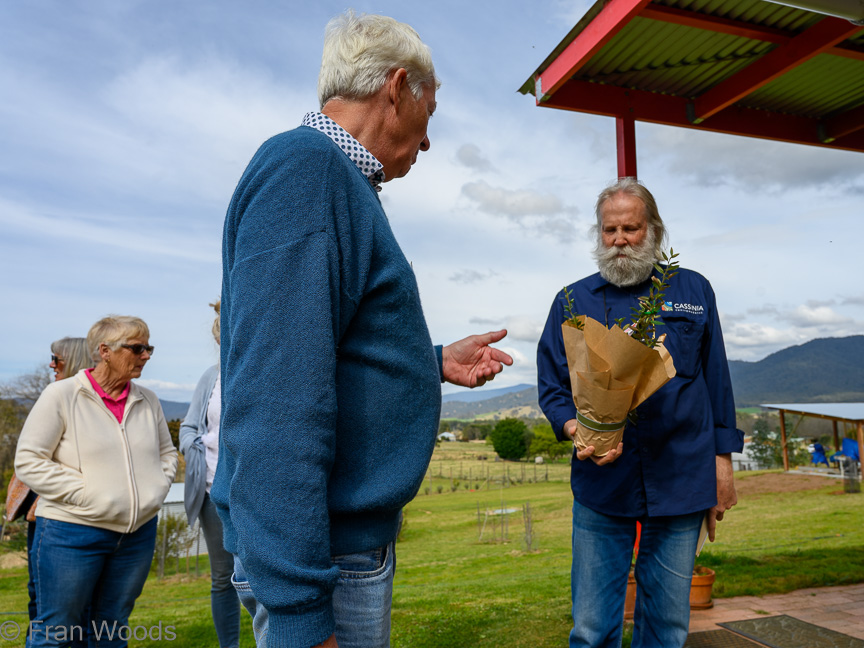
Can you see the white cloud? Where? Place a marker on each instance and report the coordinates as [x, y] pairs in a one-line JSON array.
[[164, 385], [520, 328], [764, 309], [513, 203], [98, 231], [468, 276], [469, 155], [817, 303], [752, 341], [541, 213], [197, 122], [856, 300], [768, 166], [523, 328], [818, 316], [485, 321], [768, 329]]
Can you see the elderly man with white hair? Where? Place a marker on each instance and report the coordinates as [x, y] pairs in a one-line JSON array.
[[673, 468], [331, 387]]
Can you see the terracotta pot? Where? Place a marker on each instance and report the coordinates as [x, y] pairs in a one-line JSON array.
[[700, 591], [700, 588]]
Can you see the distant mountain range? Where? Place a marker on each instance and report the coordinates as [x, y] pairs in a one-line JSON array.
[[827, 370], [482, 393], [520, 400], [174, 410]]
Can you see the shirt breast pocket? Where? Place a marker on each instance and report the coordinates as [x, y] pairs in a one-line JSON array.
[[684, 342]]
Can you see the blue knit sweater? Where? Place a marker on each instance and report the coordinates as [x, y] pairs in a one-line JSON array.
[[331, 388]]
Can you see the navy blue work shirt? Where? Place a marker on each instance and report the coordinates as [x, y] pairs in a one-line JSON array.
[[668, 466]]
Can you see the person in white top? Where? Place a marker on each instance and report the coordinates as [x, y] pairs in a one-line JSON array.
[[199, 443]]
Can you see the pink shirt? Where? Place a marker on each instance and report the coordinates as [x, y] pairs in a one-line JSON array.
[[116, 407]]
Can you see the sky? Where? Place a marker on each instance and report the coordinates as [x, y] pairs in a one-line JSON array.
[[125, 126]]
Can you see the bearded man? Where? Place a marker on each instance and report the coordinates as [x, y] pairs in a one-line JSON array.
[[673, 468]]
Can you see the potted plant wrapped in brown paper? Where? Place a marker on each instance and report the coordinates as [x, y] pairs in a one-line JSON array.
[[612, 371]]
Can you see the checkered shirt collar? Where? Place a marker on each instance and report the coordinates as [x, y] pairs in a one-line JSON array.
[[365, 161]]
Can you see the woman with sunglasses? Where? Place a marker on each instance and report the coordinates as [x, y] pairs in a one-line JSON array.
[[96, 448], [70, 355]]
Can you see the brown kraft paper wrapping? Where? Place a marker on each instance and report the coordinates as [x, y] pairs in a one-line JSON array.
[[610, 375]]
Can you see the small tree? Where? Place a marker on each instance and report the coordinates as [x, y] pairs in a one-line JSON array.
[[476, 430], [16, 399], [510, 438], [546, 445], [172, 540], [26, 388], [766, 447]]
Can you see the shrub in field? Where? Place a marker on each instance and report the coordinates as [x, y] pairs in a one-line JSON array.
[[510, 438], [545, 444], [766, 447]]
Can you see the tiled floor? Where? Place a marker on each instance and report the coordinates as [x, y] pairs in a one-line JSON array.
[[838, 608]]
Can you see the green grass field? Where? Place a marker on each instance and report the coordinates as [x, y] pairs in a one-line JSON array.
[[453, 589]]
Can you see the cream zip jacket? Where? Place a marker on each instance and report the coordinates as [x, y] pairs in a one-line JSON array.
[[88, 468]]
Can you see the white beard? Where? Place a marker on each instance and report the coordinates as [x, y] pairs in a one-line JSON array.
[[633, 267]]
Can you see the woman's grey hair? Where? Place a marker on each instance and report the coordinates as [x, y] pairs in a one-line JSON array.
[[115, 330], [632, 187], [360, 52], [216, 330], [75, 353]]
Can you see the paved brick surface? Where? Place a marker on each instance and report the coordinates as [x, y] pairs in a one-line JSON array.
[[837, 608]]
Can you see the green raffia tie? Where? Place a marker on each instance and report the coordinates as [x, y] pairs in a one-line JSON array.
[[596, 426]]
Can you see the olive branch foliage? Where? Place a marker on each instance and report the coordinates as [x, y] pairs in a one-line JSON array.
[[643, 318]]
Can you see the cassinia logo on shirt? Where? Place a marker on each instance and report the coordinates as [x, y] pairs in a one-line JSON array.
[[676, 307]]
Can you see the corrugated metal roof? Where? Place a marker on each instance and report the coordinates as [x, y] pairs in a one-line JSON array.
[[671, 59], [852, 412], [686, 48], [812, 89]]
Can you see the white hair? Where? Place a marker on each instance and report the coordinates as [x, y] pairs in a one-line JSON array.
[[114, 331], [630, 186], [361, 51]]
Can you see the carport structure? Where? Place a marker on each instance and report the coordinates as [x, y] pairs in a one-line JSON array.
[[846, 413], [742, 67]]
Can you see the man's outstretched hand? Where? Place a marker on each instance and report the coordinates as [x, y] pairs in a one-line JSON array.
[[471, 362]]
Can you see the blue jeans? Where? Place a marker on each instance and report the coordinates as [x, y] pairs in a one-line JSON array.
[[80, 568], [602, 549], [31, 580], [224, 604], [361, 601]]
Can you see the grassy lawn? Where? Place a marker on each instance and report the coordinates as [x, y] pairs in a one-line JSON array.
[[453, 589]]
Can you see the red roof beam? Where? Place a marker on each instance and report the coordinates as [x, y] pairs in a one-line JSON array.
[[611, 19], [732, 27], [612, 101], [716, 24], [820, 37], [843, 124]]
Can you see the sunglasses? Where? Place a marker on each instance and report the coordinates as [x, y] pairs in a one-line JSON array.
[[56, 359], [138, 349]]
